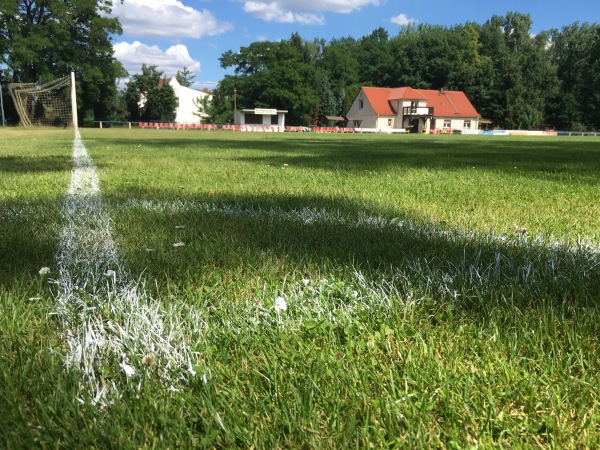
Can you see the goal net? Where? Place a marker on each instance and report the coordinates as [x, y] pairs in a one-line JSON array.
[[47, 104]]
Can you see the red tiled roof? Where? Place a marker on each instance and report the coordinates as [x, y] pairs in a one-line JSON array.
[[449, 103], [406, 93], [445, 103], [379, 100], [164, 81]]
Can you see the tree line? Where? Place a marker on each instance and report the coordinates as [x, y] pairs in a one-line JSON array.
[[514, 78]]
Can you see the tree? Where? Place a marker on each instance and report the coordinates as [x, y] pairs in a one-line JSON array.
[[202, 105], [274, 75], [522, 77], [117, 111], [220, 109], [575, 51], [327, 101], [374, 58], [149, 97], [185, 77], [339, 62], [592, 85], [44, 40]]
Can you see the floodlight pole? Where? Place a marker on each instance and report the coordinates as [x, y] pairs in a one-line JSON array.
[[234, 106], [2, 107], [74, 101]]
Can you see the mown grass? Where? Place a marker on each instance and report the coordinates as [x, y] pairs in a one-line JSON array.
[[482, 183], [417, 315], [34, 173]]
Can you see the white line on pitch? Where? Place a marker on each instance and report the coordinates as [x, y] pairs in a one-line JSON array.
[[107, 317]]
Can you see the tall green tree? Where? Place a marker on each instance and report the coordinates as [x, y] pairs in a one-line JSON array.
[[184, 77], [522, 79], [340, 63], [273, 74], [430, 54], [472, 71], [149, 98], [575, 52], [41, 40], [592, 85], [374, 58], [221, 108], [327, 101]]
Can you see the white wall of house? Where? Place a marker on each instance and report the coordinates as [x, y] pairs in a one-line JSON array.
[[186, 109], [361, 114], [386, 122], [451, 123]]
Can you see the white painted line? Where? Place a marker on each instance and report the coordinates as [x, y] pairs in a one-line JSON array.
[[111, 324]]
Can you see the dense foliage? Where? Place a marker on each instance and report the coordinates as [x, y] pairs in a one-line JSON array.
[[513, 77], [44, 40], [149, 97]]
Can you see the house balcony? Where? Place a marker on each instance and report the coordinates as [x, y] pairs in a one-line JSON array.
[[420, 111]]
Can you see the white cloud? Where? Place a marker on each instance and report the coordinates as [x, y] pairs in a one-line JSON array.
[[132, 56], [402, 20], [166, 18], [273, 12], [306, 12]]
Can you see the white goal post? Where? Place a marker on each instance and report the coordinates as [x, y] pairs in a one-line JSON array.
[[50, 104]]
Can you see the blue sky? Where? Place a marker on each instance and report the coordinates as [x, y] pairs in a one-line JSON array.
[[172, 34]]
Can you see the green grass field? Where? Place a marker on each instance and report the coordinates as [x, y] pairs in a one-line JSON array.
[[299, 291]]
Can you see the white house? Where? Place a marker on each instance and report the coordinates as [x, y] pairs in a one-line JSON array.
[[414, 110], [187, 111]]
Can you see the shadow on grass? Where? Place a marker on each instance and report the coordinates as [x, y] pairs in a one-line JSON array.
[[30, 232], [563, 159], [284, 238], [234, 247], [38, 164]]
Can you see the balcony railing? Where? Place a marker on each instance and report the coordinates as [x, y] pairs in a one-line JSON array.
[[417, 111]]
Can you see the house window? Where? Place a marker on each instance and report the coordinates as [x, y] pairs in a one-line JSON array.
[[390, 121], [274, 120], [361, 104], [413, 107], [357, 123], [467, 125], [447, 124]]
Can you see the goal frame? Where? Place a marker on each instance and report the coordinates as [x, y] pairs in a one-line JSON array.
[[25, 97]]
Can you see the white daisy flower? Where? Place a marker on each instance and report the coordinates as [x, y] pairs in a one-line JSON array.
[[129, 370], [280, 304]]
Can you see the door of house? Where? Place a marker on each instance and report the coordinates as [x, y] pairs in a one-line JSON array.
[[414, 126]]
